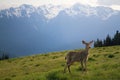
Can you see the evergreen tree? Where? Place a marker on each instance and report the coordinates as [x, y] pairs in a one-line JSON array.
[[108, 41], [116, 39], [3, 55], [98, 43]]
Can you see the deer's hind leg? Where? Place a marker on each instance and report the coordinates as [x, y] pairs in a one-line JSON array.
[[68, 64], [65, 68], [69, 68]]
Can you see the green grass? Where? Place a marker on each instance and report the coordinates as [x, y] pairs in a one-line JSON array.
[[103, 64]]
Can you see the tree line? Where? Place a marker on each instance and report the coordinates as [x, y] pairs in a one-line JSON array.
[[4, 55], [108, 41]]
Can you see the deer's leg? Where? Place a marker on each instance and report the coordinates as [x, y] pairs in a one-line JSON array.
[[82, 65], [69, 66], [85, 62], [65, 68]]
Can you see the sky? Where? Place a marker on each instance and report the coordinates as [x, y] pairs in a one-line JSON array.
[[114, 4]]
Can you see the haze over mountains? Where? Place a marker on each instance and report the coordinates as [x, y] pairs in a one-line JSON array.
[[26, 29]]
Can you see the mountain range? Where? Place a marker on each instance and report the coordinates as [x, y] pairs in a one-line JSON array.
[[26, 29]]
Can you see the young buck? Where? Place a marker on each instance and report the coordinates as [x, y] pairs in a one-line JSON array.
[[80, 56]]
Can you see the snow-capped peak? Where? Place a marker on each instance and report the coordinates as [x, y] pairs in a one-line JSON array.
[[78, 9], [50, 11], [86, 10]]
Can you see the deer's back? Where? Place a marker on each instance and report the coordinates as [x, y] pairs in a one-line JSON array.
[[76, 56]]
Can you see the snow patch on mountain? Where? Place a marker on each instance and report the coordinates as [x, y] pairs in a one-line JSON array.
[[102, 12], [105, 12], [51, 11], [81, 10]]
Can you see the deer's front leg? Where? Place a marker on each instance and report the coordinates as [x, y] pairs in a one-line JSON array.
[[85, 63], [82, 65]]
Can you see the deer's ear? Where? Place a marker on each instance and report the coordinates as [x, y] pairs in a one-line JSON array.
[[91, 42], [83, 42]]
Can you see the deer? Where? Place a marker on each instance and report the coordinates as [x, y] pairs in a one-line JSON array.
[[80, 56]]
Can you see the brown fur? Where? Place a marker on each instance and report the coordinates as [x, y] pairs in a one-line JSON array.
[[80, 56]]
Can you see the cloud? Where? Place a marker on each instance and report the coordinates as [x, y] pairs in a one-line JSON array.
[[115, 4], [115, 7], [108, 2]]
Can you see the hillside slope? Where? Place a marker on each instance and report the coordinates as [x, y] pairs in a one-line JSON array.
[[103, 64]]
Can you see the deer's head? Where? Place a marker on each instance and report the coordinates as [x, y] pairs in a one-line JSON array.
[[87, 44]]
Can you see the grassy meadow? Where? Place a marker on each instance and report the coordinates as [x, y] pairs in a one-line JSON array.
[[103, 64]]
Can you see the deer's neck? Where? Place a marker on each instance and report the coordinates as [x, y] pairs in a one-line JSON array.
[[86, 50]]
